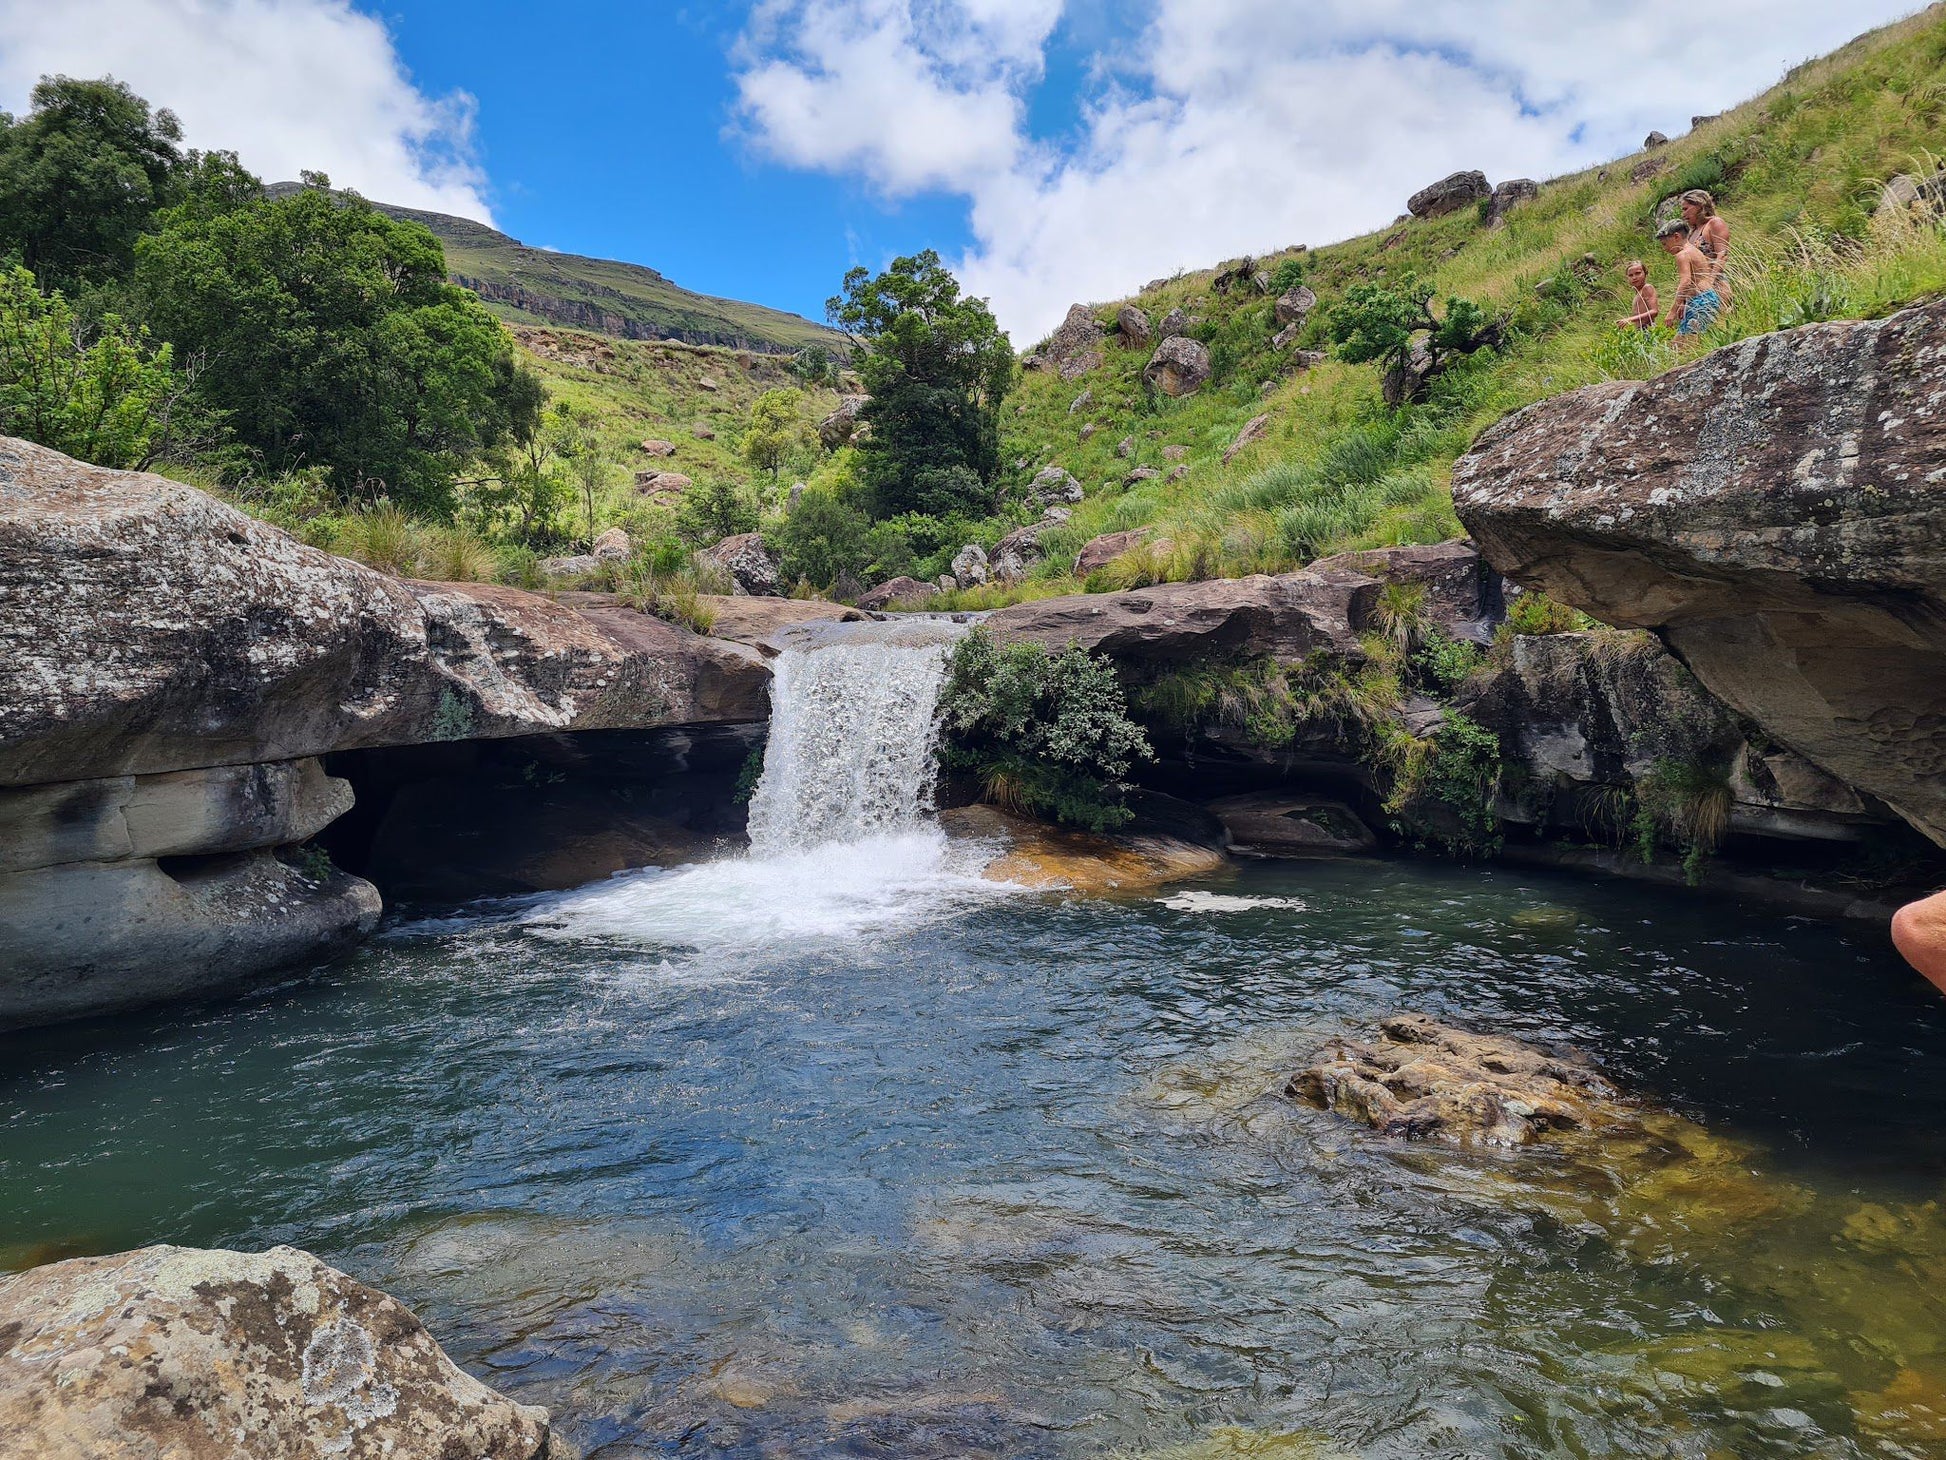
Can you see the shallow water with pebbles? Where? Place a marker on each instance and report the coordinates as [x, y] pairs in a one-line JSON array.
[[870, 1157]]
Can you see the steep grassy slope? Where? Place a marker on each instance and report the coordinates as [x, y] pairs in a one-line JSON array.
[[537, 286], [696, 397], [1798, 173]]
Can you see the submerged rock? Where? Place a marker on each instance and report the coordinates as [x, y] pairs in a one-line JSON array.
[[1282, 824], [1421, 1079], [1773, 513], [1032, 854], [175, 1351]]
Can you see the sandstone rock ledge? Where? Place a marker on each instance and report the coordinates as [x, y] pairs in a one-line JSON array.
[[213, 1355], [1774, 512]]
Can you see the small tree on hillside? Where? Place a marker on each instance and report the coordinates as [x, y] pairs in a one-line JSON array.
[[776, 429], [578, 441], [1395, 325], [713, 510], [937, 369]]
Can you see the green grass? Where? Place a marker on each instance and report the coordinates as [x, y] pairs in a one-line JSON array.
[[1796, 172], [539, 286]]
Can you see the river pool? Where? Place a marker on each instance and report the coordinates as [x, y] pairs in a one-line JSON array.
[[852, 1154]]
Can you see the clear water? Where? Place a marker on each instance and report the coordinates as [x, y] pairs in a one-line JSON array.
[[735, 1161]]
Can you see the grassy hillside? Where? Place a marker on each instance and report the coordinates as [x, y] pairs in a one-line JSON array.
[[664, 390], [1797, 173], [537, 286]]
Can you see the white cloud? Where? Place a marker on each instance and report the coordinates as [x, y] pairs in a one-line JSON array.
[[286, 84], [1229, 126]]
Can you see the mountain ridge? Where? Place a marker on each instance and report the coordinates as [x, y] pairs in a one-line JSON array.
[[522, 284]]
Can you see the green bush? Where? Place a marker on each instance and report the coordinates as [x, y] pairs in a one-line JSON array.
[[1048, 733]]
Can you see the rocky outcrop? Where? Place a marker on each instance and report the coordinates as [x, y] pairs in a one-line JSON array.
[[170, 669], [755, 621], [900, 592], [1053, 486], [1295, 306], [1099, 552], [837, 429], [1075, 348], [1179, 367], [1509, 195], [662, 483], [1420, 1079], [1132, 324], [1287, 824], [1019, 552], [1175, 322], [1285, 617], [751, 565], [1774, 513], [212, 1355], [1449, 195], [970, 568], [1461, 595]]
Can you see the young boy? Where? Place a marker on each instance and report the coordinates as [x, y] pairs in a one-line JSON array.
[[1697, 303], [1647, 304]]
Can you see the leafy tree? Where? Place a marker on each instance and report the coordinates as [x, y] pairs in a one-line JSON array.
[[1395, 324], [113, 399], [713, 510], [937, 369], [775, 430], [81, 176], [577, 440], [814, 366], [329, 334], [822, 539], [1288, 274], [1047, 732]]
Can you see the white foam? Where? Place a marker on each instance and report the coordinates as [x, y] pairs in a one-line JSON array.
[[1223, 902], [842, 892]]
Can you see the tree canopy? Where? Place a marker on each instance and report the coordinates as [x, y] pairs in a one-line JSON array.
[[81, 175], [328, 333], [937, 368]]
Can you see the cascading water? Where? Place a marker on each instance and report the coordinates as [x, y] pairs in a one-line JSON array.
[[852, 746], [842, 842]]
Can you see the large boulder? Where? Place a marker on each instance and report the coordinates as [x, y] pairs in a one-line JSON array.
[[1053, 486], [970, 567], [1099, 552], [1449, 195], [1285, 617], [1295, 306], [146, 627], [1509, 195], [1019, 552], [1075, 348], [837, 429], [1175, 322], [751, 565], [181, 1352], [1462, 595], [900, 592], [1774, 513], [1180, 366], [1132, 324]]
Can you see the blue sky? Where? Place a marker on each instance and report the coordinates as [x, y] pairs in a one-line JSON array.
[[1051, 150]]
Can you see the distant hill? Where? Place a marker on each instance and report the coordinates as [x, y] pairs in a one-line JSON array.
[[526, 285]]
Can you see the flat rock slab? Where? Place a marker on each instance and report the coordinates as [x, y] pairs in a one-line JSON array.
[[1046, 858], [213, 1355], [1775, 512], [1420, 1079]]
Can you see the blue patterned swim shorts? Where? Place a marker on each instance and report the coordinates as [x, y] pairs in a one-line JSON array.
[[1700, 313]]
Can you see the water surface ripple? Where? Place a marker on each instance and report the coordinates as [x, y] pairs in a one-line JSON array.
[[711, 1167]]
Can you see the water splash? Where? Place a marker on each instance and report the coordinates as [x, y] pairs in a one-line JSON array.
[[852, 749]]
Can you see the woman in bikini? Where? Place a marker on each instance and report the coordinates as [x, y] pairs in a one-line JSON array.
[[1711, 235]]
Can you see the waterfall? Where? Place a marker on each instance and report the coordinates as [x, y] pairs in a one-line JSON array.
[[852, 749]]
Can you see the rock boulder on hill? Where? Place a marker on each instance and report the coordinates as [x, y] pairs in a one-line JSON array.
[[1180, 366], [1449, 195], [1075, 348], [175, 1351], [1775, 512]]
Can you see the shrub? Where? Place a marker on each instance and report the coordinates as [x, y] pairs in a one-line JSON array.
[[1046, 732], [713, 510], [1534, 613]]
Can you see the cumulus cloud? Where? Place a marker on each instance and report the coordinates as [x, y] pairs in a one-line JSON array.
[[286, 84], [1226, 126]]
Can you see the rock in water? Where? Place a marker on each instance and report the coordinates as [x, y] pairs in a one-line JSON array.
[[178, 1352], [1774, 512], [1421, 1079]]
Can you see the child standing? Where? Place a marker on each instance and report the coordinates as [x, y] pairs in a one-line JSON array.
[[1647, 303], [1697, 303]]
